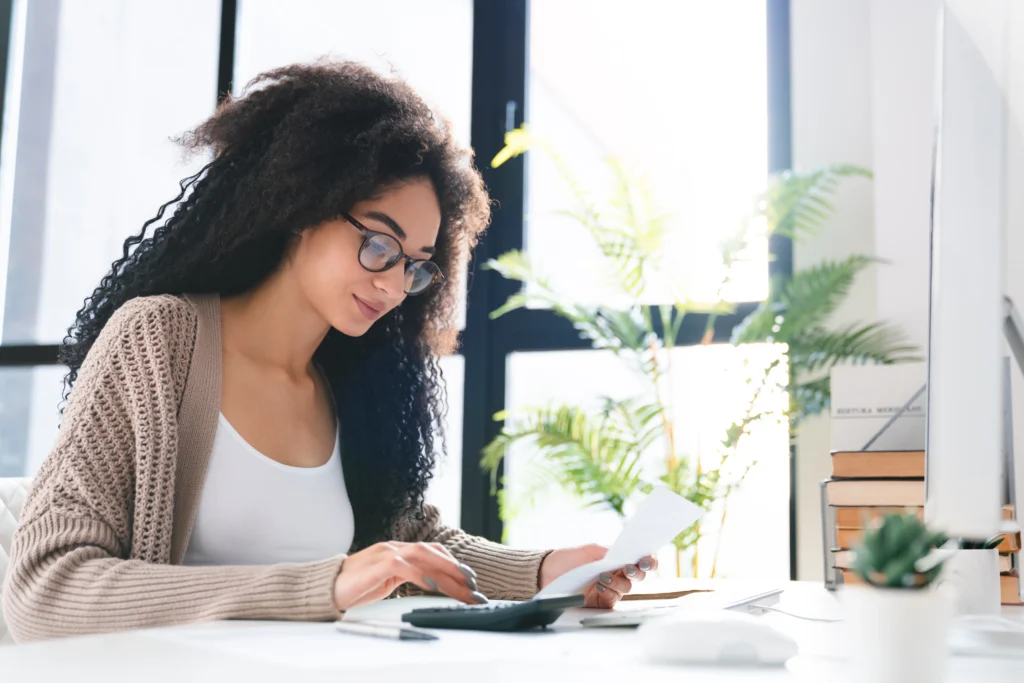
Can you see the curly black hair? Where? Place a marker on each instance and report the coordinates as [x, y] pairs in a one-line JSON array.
[[304, 144]]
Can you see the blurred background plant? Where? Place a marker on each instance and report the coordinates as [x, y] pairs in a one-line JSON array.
[[600, 452], [893, 554]]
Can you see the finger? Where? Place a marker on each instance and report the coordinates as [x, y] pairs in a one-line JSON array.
[[444, 574], [634, 573], [592, 596], [604, 597], [443, 550], [648, 564], [466, 570], [615, 581]]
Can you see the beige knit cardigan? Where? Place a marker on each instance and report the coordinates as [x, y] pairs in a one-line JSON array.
[[107, 522]]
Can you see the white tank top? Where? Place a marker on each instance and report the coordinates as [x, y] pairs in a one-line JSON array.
[[255, 510]]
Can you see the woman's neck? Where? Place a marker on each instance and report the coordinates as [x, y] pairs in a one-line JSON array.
[[273, 325]]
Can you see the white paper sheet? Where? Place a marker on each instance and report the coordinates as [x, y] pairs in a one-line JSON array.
[[659, 519]]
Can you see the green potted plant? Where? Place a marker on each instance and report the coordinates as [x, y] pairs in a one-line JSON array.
[[899, 620], [595, 451]]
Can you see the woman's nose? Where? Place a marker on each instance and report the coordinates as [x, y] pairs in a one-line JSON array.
[[392, 282]]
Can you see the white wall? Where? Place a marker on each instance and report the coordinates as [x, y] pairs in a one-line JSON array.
[[1015, 214], [903, 55], [832, 123]]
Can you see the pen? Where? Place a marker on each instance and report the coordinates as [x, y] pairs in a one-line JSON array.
[[392, 632]]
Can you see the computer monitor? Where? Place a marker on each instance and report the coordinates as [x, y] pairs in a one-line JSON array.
[[966, 371]]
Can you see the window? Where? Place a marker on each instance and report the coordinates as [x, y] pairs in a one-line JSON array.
[[94, 92], [427, 43], [677, 93], [28, 419], [445, 489], [93, 158], [710, 392], [633, 81]]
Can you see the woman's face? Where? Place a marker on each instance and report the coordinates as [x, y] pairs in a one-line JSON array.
[[326, 259]]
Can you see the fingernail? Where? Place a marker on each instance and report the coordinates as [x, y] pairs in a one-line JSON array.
[[479, 598], [471, 583], [467, 571], [631, 571], [601, 588], [605, 578], [645, 565], [431, 584]]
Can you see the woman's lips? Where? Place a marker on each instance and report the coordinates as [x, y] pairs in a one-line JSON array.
[[367, 309]]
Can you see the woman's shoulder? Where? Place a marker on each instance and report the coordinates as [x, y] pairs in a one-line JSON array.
[[145, 335], [156, 305], [153, 320]]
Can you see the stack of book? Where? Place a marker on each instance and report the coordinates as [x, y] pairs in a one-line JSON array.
[[878, 430], [867, 485], [878, 436], [1009, 562]]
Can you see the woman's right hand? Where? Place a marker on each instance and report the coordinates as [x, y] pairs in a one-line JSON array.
[[374, 573]]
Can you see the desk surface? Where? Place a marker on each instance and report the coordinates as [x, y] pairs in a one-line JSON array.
[[280, 651]]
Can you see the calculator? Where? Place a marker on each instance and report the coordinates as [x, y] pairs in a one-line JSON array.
[[506, 616]]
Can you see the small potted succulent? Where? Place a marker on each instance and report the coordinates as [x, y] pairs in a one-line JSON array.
[[973, 573], [899, 621]]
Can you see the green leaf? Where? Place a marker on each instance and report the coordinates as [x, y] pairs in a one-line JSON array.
[[594, 455], [797, 205], [809, 398], [888, 554], [809, 299], [819, 349]]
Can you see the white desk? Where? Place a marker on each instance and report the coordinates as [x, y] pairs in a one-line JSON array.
[[284, 652]]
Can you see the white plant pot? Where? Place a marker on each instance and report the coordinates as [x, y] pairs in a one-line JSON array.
[[897, 635], [972, 577]]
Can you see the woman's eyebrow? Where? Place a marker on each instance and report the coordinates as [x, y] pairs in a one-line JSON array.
[[395, 227], [388, 221]]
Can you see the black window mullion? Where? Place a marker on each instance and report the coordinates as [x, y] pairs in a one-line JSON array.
[[499, 94], [20, 355], [226, 53], [780, 158]]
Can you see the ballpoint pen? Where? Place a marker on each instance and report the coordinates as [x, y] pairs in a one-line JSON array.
[[380, 631]]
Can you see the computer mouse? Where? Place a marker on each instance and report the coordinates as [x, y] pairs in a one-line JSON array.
[[715, 637]]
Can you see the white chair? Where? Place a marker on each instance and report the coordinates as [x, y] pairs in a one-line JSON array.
[[12, 499]]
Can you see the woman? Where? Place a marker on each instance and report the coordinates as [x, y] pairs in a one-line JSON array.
[[254, 387]]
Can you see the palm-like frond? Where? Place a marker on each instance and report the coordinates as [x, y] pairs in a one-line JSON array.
[[809, 398], [633, 236], [624, 332], [594, 455], [628, 231], [817, 349], [799, 204], [807, 300], [797, 315]]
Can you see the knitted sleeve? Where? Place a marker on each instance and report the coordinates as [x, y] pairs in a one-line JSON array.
[[105, 494], [503, 573]]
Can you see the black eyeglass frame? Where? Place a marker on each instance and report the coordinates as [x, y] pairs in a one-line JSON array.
[[369, 234]]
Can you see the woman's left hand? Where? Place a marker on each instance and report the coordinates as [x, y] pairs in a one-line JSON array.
[[610, 587]]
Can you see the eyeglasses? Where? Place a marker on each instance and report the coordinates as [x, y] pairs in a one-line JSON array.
[[380, 251]]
